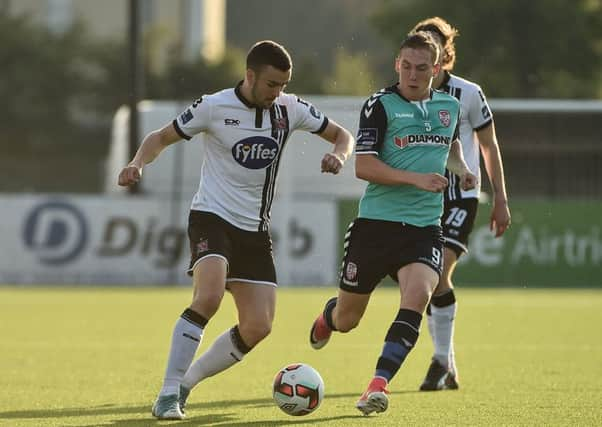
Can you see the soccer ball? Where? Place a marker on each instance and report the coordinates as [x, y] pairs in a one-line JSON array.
[[298, 389]]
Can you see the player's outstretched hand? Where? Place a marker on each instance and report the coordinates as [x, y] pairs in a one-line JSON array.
[[468, 181], [129, 175], [432, 182], [332, 163]]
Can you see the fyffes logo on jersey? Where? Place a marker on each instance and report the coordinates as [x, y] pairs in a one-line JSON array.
[[256, 152], [421, 140]]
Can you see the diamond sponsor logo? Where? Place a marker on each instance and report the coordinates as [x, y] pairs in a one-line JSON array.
[[421, 140]]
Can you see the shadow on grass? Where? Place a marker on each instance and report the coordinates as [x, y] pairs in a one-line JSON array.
[[225, 420], [230, 419]]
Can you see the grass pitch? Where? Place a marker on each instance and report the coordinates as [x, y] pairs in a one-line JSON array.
[[95, 357]]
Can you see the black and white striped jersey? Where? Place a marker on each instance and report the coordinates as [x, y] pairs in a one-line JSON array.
[[243, 148], [475, 115]]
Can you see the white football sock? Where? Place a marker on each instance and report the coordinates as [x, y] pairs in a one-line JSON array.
[[452, 359], [219, 357], [443, 332], [185, 340]]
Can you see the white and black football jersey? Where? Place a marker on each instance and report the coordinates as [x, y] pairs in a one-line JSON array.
[[243, 148], [475, 115]]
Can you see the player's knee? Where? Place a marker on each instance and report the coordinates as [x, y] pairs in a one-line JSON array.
[[207, 303], [346, 322], [424, 293], [443, 286], [417, 297], [255, 331]]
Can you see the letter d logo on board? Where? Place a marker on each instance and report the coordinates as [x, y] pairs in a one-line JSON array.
[[56, 232]]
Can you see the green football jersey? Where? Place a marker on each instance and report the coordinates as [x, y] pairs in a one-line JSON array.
[[409, 135]]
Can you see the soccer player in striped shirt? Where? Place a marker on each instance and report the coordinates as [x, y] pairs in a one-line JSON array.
[[244, 129], [477, 134]]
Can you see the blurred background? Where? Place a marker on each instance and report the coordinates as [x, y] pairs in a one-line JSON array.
[[72, 70]]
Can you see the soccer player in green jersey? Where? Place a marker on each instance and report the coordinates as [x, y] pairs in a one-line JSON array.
[[407, 137]]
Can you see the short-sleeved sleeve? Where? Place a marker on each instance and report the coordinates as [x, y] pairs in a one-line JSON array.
[[372, 127], [479, 113], [307, 117], [194, 119]]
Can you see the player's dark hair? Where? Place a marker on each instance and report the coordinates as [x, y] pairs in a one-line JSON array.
[[422, 40], [446, 33], [266, 53]]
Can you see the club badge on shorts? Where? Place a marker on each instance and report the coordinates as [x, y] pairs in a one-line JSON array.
[[202, 246], [350, 276]]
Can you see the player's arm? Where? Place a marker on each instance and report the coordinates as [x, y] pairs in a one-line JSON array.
[[343, 147], [151, 146], [193, 120], [500, 213], [370, 168], [457, 166]]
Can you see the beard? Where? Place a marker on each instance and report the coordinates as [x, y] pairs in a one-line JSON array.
[[263, 103]]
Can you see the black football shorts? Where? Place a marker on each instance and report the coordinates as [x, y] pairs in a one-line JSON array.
[[248, 253], [458, 221], [376, 248]]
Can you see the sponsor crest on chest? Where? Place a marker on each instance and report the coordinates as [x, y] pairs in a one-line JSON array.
[[279, 124], [445, 118]]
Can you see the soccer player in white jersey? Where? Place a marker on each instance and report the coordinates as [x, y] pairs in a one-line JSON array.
[[477, 131], [244, 129]]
